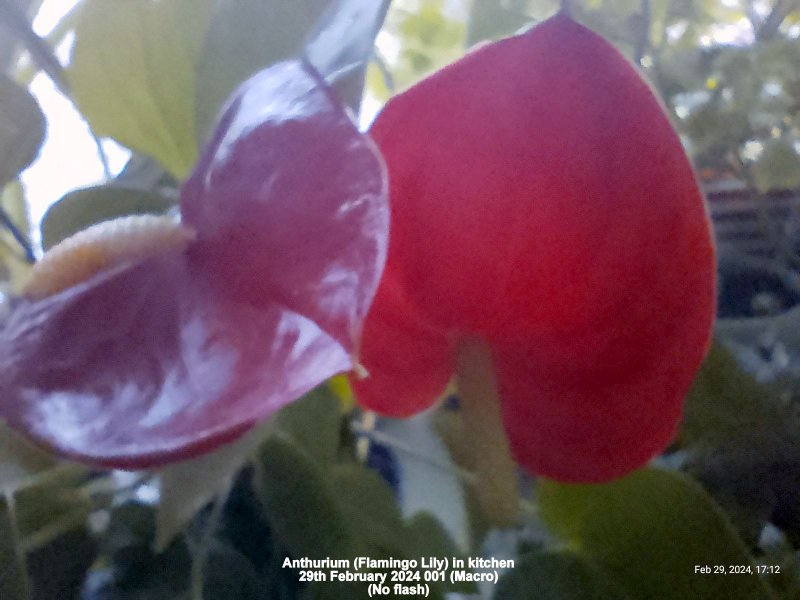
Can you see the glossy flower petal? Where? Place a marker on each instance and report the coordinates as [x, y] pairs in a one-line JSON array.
[[164, 358], [409, 360], [542, 202], [289, 201]]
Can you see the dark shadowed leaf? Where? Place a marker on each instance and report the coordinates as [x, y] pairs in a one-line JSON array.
[[728, 409], [135, 570], [340, 512], [649, 531], [22, 129], [51, 505], [744, 442], [301, 504], [228, 574], [81, 208], [19, 459], [189, 485], [336, 591], [555, 576], [58, 569]]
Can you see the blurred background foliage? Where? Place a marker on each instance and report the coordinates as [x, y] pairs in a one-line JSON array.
[[330, 481]]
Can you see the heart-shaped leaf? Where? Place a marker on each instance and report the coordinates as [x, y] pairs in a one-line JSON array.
[[133, 74], [650, 531]]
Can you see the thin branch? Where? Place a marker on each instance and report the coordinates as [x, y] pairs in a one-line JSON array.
[[18, 25], [753, 17], [21, 239], [770, 26]]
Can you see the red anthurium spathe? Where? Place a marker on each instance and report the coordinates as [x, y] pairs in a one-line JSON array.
[[545, 220], [259, 297]]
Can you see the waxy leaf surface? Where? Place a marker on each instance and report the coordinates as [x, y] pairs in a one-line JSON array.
[[167, 358]]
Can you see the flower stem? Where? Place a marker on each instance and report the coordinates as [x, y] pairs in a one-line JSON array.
[[496, 470]]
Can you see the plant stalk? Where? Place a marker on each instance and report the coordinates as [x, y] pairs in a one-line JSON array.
[[496, 482]]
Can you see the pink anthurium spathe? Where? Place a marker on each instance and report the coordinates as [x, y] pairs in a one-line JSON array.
[[549, 241], [173, 350]]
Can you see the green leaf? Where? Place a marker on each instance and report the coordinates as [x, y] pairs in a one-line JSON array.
[[19, 459], [133, 74], [426, 536], [744, 440], [649, 531], [555, 576], [369, 506], [727, 408], [341, 511], [300, 503], [22, 128], [81, 208], [13, 578], [52, 505], [244, 37], [187, 486], [314, 423]]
